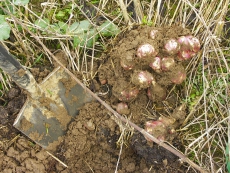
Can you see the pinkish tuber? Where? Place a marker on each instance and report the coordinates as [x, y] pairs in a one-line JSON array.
[[142, 79], [194, 43], [178, 77], [128, 94], [172, 46], [190, 45], [103, 81], [156, 64], [162, 129], [146, 50], [183, 41], [167, 63], [127, 65], [185, 54], [157, 129], [122, 108], [153, 33]]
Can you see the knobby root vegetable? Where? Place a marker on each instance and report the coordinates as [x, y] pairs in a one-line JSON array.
[[157, 129], [153, 34], [190, 45], [167, 63], [156, 64], [185, 55], [162, 129], [178, 77], [194, 43], [146, 50], [122, 108], [127, 65], [183, 41], [172, 46], [142, 79], [128, 94]]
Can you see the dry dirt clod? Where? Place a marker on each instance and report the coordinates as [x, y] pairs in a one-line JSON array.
[[90, 125], [13, 92], [3, 115]]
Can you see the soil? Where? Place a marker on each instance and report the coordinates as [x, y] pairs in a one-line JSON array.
[[95, 139]]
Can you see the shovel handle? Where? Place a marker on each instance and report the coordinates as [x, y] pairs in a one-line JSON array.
[[19, 75]]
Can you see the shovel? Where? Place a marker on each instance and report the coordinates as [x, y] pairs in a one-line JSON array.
[[51, 105]]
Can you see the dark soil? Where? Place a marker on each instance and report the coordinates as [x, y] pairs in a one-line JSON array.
[[93, 142]]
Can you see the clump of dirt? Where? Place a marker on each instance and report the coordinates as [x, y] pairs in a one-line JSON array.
[[39, 74], [91, 143], [57, 111], [69, 83], [13, 102], [26, 125], [25, 156], [155, 155], [62, 57]]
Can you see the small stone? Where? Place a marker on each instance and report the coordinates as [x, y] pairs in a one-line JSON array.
[[90, 125], [165, 162]]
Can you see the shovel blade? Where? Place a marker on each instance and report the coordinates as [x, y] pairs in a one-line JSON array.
[[45, 120]]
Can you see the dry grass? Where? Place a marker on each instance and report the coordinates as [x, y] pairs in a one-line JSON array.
[[205, 131]]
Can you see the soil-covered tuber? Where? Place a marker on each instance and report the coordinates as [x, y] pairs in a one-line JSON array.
[[155, 64], [142, 79], [124, 91], [178, 77], [122, 108], [172, 46], [153, 33], [127, 65], [146, 50], [190, 45], [167, 63], [157, 129]]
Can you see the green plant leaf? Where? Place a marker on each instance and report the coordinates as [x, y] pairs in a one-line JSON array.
[[37, 59], [63, 27], [4, 28], [79, 27], [109, 29], [55, 28], [228, 167], [85, 39], [227, 158], [21, 2], [75, 41], [43, 23], [60, 14]]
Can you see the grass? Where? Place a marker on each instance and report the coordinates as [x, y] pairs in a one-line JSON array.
[[205, 131]]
